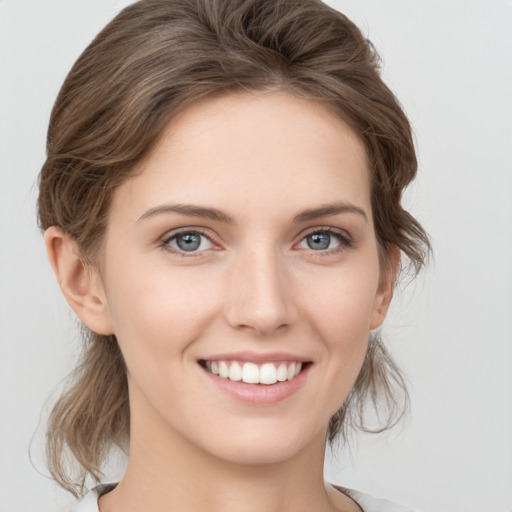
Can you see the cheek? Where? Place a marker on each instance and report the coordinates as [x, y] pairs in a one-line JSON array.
[[340, 307], [342, 302], [339, 310], [157, 310]]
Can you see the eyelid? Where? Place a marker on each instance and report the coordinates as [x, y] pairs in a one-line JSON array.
[[326, 229], [170, 235], [345, 239]]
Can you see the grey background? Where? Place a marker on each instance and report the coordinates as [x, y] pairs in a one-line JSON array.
[[450, 64]]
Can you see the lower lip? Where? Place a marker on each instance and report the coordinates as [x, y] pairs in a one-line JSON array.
[[259, 394]]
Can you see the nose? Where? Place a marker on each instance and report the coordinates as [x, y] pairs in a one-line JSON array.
[[259, 292]]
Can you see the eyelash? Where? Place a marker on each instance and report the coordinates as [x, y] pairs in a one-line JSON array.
[[345, 242], [184, 254]]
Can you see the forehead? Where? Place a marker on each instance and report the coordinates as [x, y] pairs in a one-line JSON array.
[[253, 150]]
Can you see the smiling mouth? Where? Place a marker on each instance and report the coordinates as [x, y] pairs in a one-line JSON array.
[[252, 373]]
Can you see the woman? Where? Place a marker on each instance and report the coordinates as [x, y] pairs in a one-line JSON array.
[[221, 207]]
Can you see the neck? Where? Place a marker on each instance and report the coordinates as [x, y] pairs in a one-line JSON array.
[[168, 473], [179, 478]]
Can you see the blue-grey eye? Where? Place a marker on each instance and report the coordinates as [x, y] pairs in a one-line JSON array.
[[321, 240], [318, 241], [189, 241]]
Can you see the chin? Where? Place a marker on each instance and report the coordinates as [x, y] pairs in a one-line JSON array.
[[264, 444]]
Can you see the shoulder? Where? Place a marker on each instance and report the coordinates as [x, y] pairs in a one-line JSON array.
[[370, 504], [89, 503]]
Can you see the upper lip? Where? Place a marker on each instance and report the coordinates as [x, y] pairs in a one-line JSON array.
[[256, 357]]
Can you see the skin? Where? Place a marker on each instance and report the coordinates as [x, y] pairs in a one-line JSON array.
[[254, 284]]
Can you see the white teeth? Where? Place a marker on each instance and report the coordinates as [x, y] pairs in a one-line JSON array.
[[268, 374], [291, 371], [251, 373], [223, 369], [235, 372], [282, 373]]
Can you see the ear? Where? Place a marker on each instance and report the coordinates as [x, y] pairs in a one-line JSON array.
[[80, 283], [386, 288]]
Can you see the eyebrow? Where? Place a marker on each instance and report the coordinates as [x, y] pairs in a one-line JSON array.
[[190, 210], [329, 210], [220, 216]]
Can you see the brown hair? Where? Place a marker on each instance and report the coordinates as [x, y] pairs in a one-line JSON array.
[[152, 60]]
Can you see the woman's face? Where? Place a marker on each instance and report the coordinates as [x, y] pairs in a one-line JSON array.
[[243, 247]]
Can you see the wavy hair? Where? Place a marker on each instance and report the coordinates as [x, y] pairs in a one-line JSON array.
[[154, 59]]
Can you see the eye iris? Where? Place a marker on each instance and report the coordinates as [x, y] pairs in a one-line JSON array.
[[318, 241], [188, 241]]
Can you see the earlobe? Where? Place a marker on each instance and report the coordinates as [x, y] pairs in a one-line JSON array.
[[386, 288], [80, 283]]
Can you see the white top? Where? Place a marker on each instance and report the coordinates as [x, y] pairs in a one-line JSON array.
[[367, 503]]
